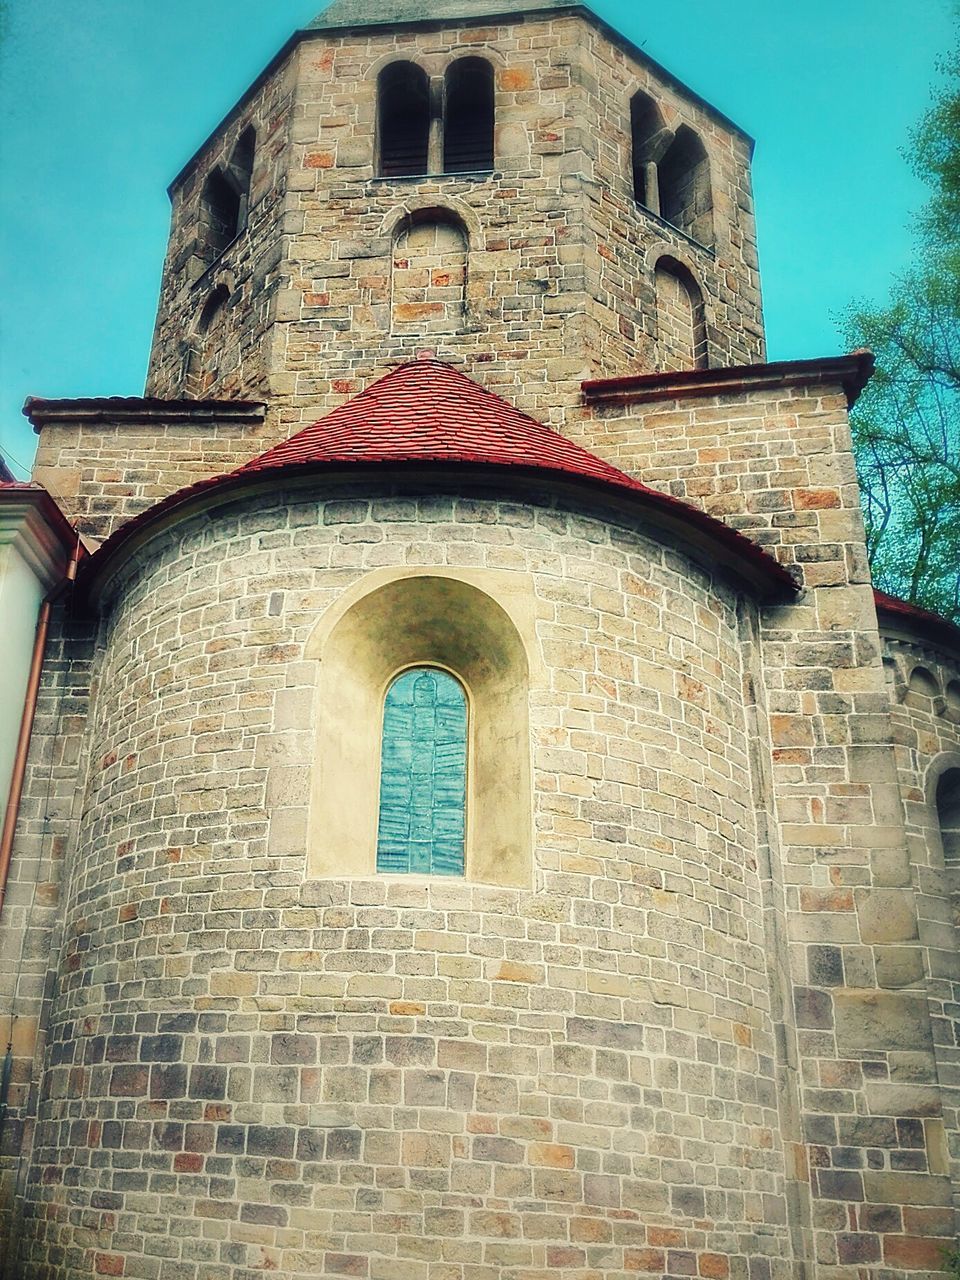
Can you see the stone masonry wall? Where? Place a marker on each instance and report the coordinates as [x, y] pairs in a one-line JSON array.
[[777, 464], [389, 1077], [561, 262], [32, 915], [105, 468], [624, 241], [250, 268], [927, 733]]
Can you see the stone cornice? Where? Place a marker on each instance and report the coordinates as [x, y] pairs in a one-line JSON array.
[[851, 372], [134, 409], [35, 527]]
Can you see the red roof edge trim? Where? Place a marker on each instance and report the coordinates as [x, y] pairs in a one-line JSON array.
[[852, 372], [925, 622], [757, 566]]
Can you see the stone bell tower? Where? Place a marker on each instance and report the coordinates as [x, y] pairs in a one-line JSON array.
[[508, 183]]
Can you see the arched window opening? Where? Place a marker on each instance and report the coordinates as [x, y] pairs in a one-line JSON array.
[[948, 815], [403, 104], [423, 775], [429, 276], [681, 319], [219, 215], [434, 624], [241, 173], [468, 117], [686, 196], [649, 140]]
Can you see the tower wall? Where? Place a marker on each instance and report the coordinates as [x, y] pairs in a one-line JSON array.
[[561, 261]]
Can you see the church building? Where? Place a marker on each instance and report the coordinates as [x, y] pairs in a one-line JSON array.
[[468, 814]]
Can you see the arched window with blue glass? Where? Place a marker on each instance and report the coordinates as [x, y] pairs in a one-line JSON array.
[[423, 775]]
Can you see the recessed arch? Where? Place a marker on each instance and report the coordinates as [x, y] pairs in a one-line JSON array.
[[212, 309], [923, 683], [681, 317], [415, 207], [428, 281], [422, 620], [199, 367]]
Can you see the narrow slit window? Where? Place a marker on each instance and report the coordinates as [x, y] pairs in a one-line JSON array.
[[423, 775], [468, 117], [403, 95]]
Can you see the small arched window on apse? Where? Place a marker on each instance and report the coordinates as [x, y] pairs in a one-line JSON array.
[[428, 292], [681, 318], [686, 194], [422, 758], [423, 775], [403, 120], [948, 815], [468, 116]]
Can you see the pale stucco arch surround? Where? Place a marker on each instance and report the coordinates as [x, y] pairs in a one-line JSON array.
[[478, 624]]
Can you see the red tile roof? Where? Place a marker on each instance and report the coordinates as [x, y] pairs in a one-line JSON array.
[[925, 622], [428, 416], [429, 411]]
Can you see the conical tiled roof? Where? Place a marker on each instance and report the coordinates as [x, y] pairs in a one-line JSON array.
[[428, 417], [428, 411]]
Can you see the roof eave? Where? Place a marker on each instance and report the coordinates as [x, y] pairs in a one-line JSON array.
[[31, 520], [851, 372], [900, 620], [40, 412], [712, 542]]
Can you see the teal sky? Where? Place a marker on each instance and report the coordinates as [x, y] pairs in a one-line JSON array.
[[103, 101]]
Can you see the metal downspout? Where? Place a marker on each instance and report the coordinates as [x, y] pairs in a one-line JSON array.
[[26, 722]]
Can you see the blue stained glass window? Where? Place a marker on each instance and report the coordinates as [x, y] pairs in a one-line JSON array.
[[423, 775]]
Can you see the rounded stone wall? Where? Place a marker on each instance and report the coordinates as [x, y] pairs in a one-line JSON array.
[[256, 1068]]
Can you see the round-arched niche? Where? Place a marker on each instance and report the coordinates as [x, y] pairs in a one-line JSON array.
[[422, 620]]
